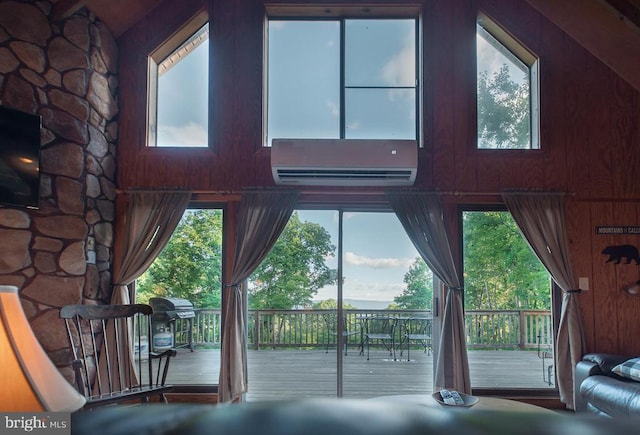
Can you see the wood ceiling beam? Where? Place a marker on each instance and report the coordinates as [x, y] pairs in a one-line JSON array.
[[596, 25], [630, 10]]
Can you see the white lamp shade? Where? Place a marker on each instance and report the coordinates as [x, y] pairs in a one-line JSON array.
[[29, 381]]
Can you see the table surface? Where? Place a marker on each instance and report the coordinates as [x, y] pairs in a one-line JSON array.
[[484, 403]]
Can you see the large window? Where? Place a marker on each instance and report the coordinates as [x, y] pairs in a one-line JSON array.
[[178, 94], [342, 79], [507, 90]]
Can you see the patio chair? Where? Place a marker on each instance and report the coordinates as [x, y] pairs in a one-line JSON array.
[[331, 322], [379, 330], [417, 330], [107, 370], [546, 355]]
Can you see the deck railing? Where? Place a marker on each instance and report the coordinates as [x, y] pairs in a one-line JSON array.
[[495, 329]]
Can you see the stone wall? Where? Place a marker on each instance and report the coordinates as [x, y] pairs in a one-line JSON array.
[[61, 253]]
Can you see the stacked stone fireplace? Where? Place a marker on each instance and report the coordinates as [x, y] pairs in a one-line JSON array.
[[65, 71]]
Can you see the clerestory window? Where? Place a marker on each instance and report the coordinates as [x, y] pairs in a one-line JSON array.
[[342, 78], [178, 92], [507, 90]]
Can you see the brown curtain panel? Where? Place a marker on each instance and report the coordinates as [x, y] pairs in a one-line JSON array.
[[422, 217], [541, 219], [144, 225], [262, 217]]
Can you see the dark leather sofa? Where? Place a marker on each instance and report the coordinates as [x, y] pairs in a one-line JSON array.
[[334, 417], [600, 391]]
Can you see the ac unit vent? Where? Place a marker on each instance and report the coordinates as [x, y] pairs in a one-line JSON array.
[[344, 162]]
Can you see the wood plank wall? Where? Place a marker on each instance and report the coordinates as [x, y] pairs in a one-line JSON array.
[[590, 133]]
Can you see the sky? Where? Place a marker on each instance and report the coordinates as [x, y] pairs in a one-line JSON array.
[[313, 111], [377, 252]]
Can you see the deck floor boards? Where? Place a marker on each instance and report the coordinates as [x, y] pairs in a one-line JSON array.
[[290, 374]]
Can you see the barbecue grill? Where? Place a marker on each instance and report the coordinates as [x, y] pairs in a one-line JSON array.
[[174, 315]]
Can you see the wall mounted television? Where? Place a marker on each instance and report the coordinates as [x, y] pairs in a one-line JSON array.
[[19, 158]]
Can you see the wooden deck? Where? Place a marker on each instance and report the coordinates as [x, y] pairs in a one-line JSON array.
[[286, 374]]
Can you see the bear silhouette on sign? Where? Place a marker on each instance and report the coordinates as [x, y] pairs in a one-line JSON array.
[[618, 252]]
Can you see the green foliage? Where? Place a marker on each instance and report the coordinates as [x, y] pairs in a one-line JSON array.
[[503, 111], [295, 268], [331, 304], [190, 266], [419, 292], [501, 270]]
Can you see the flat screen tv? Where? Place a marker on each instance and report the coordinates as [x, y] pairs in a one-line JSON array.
[[19, 158]]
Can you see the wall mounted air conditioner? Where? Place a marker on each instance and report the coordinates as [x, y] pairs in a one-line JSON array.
[[344, 162]]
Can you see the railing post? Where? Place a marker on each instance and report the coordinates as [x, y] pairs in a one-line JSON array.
[[523, 330], [256, 329]]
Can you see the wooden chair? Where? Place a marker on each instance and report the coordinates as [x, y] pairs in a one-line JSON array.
[[106, 369]]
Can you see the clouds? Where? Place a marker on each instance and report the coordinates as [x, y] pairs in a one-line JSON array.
[[400, 69], [189, 134], [377, 263]]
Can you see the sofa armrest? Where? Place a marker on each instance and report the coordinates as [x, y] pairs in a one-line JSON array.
[[593, 364], [606, 361], [583, 370]]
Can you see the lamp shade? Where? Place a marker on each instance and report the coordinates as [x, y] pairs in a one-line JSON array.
[[29, 380]]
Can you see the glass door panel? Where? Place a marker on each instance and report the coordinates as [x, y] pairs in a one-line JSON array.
[[387, 293], [508, 318]]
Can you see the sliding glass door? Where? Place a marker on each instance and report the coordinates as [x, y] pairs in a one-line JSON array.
[[332, 307]]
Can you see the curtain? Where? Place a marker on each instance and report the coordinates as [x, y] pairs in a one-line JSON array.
[[540, 217], [262, 217], [421, 215], [144, 225]]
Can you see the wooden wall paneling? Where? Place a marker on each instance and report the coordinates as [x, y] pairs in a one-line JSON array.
[[489, 172], [580, 230], [438, 49], [604, 288], [464, 94], [197, 171], [248, 80], [223, 88], [552, 140], [624, 136], [528, 29], [597, 86], [504, 12], [542, 172], [425, 176], [577, 112], [132, 111], [626, 274]]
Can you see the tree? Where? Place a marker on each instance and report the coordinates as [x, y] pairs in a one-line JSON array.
[[295, 268], [190, 266], [331, 304], [419, 292], [501, 270], [503, 111]]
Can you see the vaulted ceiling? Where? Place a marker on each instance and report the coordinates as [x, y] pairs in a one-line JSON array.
[[609, 29]]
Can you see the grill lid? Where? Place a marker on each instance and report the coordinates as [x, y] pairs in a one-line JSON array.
[[170, 304]]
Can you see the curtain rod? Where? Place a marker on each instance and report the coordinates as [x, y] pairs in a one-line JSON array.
[[370, 192]]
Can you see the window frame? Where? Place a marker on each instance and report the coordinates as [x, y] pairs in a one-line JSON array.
[[342, 13], [509, 46], [154, 59]]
